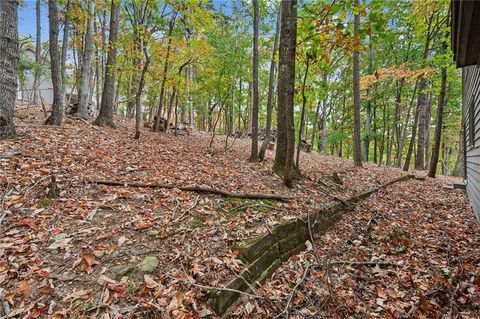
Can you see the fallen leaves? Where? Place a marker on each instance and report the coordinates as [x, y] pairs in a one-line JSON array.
[[106, 232]]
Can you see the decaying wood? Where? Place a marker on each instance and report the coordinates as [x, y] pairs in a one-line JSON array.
[[195, 188]]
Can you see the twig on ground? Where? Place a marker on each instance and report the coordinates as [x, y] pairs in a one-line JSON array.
[[231, 290], [286, 310], [89, 125], [25, 193], [174, 210], [312, 240], [188, 210]]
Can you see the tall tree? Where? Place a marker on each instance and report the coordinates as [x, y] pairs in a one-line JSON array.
[[357, 152], [83, 94], [439, 125], [256, 21], [66, 28], [302, 114], [271, 85], [38, 49], [171, 26], [105, 117], [9, 57], [284, 154], [56, 117]]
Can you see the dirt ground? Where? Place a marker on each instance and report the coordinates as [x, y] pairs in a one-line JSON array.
[[98, 251]]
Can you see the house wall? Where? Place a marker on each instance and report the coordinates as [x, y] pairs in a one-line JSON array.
[[471, 122]]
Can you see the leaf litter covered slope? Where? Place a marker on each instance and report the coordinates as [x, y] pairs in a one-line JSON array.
[[99, 251], [426, 241]]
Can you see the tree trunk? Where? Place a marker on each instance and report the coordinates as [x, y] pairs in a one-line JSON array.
[[315, 124], [459, 169], [428, 119], [105, 117], [66, 28], [9, 57], [56, 116], [302, 115], [271, 85], [368, 117], [38, 49], [357, 152], [256, 21], [138, 96], [171, 25], [438, 126], [170, 108], [286, 85], [406, 166], [83, 94]]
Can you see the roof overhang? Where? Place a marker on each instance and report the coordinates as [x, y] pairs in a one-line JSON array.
[[466, 32]]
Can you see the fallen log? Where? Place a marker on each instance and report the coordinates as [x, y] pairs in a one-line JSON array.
[[195, 188]]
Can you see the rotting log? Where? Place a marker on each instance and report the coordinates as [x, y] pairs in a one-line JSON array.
[[266, 252], [197, 189]]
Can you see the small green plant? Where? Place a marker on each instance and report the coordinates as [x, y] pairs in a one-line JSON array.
[[44, 203]]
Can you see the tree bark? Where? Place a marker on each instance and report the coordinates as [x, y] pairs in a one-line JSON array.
[[315, 124], [438, 126], [171, 25], [83, 94], [357, 152], [56, 117], [38, 48], [138, 96], [105, 117], [406, 166], [459, 169], [302, 115], [256, 21], [9, 57], [286, 82], [368, 117], [271, 85], [63, 57]]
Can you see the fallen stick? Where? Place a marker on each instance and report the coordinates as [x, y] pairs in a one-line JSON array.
[[231, 290], [88, 124], [195, 188]]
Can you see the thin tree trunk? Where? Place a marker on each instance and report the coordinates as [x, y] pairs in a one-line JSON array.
[[459, 169], [271, 85], [357, 152], [105, 117], [83, 100], [428, 119], [38, 48], [56, 116], [302, 115], [368, 117], [256, 21], [171, 26], [438, 127], [406, 166], [66, 31], [315, 124], [9, 58], [138, 96]]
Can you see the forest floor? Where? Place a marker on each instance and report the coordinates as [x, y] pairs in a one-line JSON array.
[[100, 251]]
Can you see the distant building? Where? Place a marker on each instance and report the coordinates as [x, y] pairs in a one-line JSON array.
[[26, 85], [466, 47]]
